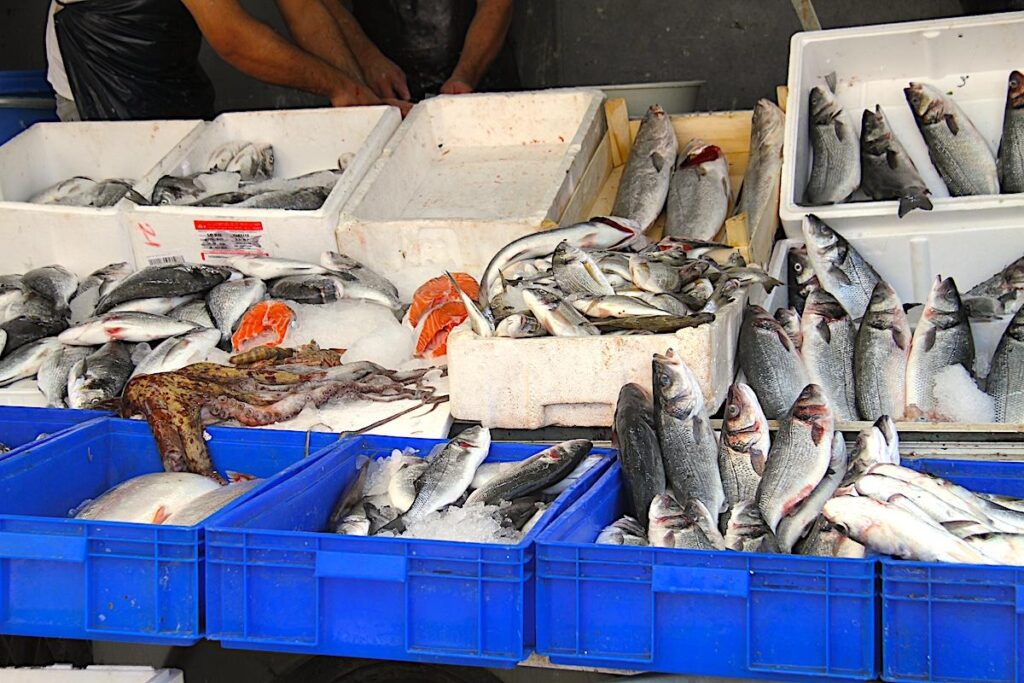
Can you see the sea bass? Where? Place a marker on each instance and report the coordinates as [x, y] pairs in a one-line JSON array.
[[558, 318], [53, 373], [772, 365], [759, 194], [699, 193], [645, 180], [828, 346], [533, 474], [1011, 147], [130, 327], [450, 472], [175, 353], [840, 268], [880, 357], [835, 166], [636, 437], [1006, 373], [208, 503], [26, 361], [744, 447], [795, 525], [887, 172]]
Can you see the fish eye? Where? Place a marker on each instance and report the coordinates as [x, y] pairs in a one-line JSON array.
[[1014, 83], [841, 528], [798, 267], [734, 410]]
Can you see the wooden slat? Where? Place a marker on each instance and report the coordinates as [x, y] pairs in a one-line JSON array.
[[618, 129]]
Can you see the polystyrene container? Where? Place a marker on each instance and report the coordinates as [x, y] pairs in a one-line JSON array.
[[79, 238], [955, 622], [304, 140], [701, 613], [23, 429], [62, 577], [464, 176], [970, 57], [276, 581]]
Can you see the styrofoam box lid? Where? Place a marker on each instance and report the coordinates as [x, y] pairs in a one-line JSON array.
[[968, 57], [64, 673], [48, 153], [304, 141]]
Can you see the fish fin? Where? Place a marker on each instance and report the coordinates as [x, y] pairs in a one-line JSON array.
[[953, 126], [928, 339], [900, 339], [824, 331], [757, 460], [891, 159], [658, 161], [831, 81], [235, 477], [841, 277], [397, 525], [838, 125], [784, 338], [817, 433], [915, 201], [161, 515]]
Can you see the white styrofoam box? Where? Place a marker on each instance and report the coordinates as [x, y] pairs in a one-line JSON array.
[[79, 238], [304, 140], [64, 673], [970, 57], [467, 174]]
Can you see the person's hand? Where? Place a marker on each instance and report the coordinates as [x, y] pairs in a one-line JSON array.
[[456, 86], [353, 95], [385, 77], [404, 106]]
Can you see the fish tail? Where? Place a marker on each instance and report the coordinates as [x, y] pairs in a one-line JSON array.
[[919, 200]]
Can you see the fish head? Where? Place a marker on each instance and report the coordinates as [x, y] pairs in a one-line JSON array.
[[745, 424], [541, 298], [765, 326], [819, 237], [655, 111], [875, 136], [852, 515], [812, 409], [698, 152], [664, 510], [944, 299], [1015, 90], [825, 307], [800, 264], [767, 124], [926, 102], [823, 106], [675, 385], [477, 437], [627, 233], [565, 254], [789, 319], [1016, 326]]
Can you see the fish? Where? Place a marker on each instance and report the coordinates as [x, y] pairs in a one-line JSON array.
[[355, 524], [350, 497], [158, 305], [449, 473], [653, 324], [514, 514], [194, 311], [796, 524], [613, 263], [556, 316], [1005, 383], [958, 151], [999, 548], [576, 272], [264, 324], [439, 290], [613, 306], [688, 445], [835, 164], [210, 502], [824, 540], [759, 193], [790, 321], [52, 376], [658, 277], [488, 471], [55, 283], [887, 172], [100, 376], [699, 192], [588, 463], [110, 191], [887, 529], [639, 452], [870, 449], [937, 510], [801, 276], [482, 325], [26, 360], [228, 302], [147, 499], [533, 474], [772, 365], [301, 199], [745, 529], [602, 232], [1002, 294], [67, 192], [177, 279], [1010, 161], [308, 289], [881, 352], [23, 330], [942, 338], [402, 485], [692, 526], [828, 349], [103, 279], [799, 456], [694, 293], [176, 352], [840, 268], [744, 445], [130, 327], [643, 187], [250, 160], [520, 326], [272, 268], [624, 531], [438, 323], [360, 281]]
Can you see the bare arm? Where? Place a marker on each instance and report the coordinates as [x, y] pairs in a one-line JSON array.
[[383, 75], [316, 31], [254, 48], [484, 39]]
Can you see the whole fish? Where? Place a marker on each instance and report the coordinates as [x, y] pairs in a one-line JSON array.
[[840, 268], [689, 526], [653, 324], [658, 277], [623, 531], [1003, 548], [208, 503], [828, 347], [643, 187], [744, 445], [799, 457], [308, 289], [194, 312], [835, 164], [449, 473], [614, 306], [772, 365], [23, 330], [880, 357], [576, 272], [66, 192], [745, 529], [824, 540], [158, 305], [361, 282], [759, 193], [999, 295], [148, 499], [402, 486], [56, 283], [887, 172], [302, 199], [884, 489], [558, 318], [229, 301], [790, 321], [636, 437], [26, 361], [801, 277], [533, 474], [887, 529], [175, 353], [520, 326], [130, 327], [1011, 146], [100, 376], [597, 233], [673, 305], [52, 377], [350, 498], [164, 281], [588, 463], [688, 445], [1006, 373], [959, 152], [942, 338], [869, 450], [481, 323], [699, 192], [102, 280], [796, 524]]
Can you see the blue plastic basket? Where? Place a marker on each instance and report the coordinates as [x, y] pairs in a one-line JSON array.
[[274, 581], [955, 622], [25, 98], [63, 577], [22, 429], [781, 617]]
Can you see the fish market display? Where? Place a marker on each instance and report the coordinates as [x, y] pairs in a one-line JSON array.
[[1011, 146], [759, 193], [699, 193], [835, 169], [441, 496], [886, 170], [645, 181], [82, 191]]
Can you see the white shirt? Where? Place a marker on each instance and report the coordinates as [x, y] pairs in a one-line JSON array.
[[55, 72]]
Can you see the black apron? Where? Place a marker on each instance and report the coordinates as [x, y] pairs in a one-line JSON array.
[[425, 37], [133, 59]]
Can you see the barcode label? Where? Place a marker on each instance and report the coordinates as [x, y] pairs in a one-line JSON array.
[[165, 260]]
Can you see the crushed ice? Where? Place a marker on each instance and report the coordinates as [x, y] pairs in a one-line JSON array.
[[473, 523], [958, 398]]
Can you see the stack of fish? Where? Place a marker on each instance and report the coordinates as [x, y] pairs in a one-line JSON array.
[[880, 166], [191, 309], [454, 494], [82, 191], [240, 174], [693, 186]]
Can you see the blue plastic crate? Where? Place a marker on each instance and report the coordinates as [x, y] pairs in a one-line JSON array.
[[275, 581], [25, 98], [63, 577], [955, 622], [722, 613], [22, 429]]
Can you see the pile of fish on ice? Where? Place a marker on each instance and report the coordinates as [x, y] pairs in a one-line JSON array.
[[454, 494], [800, 493], [880, 167], [849, 334], [84, 340]]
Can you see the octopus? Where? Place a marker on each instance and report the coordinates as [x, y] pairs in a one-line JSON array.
[[272, 386]]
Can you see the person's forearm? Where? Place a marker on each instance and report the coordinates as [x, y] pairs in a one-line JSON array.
[[360, 44], [484, 39], [317, 31]]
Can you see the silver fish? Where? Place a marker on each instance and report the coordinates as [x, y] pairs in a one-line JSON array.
[[699, 192], [360, 281], [533, 474], [658, 277], [790, 321], [229, 301], [635, 435], [759, 193], [26, 360], [959, 152], [835, 166], [869, 450], [696, 295], [100, 376], [402, 486], [194, 312], [692, 526], [271, 268], [71, 192], [26, 329], [482, 325], [520, 326], [999, 295], [643, 187], [53, 373], [251, 161], [840, 268], [101, 281], [308, 289], [828, 344], [887, 172], [745, 529], [770, 362], [824, 540], [157, 305], [615, 306], [1006, 373], [801, 276], [209, 503], [883, 488], [744, 445], [303, 199], [450, 472], [56, 283], [1011, 146], [178, 279], [623, 531], [130, 327], [576, 272], [796, 524], [175, 353], [880, 356], [148, 499], [558, 318], [1001, 548], [613, 263]]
